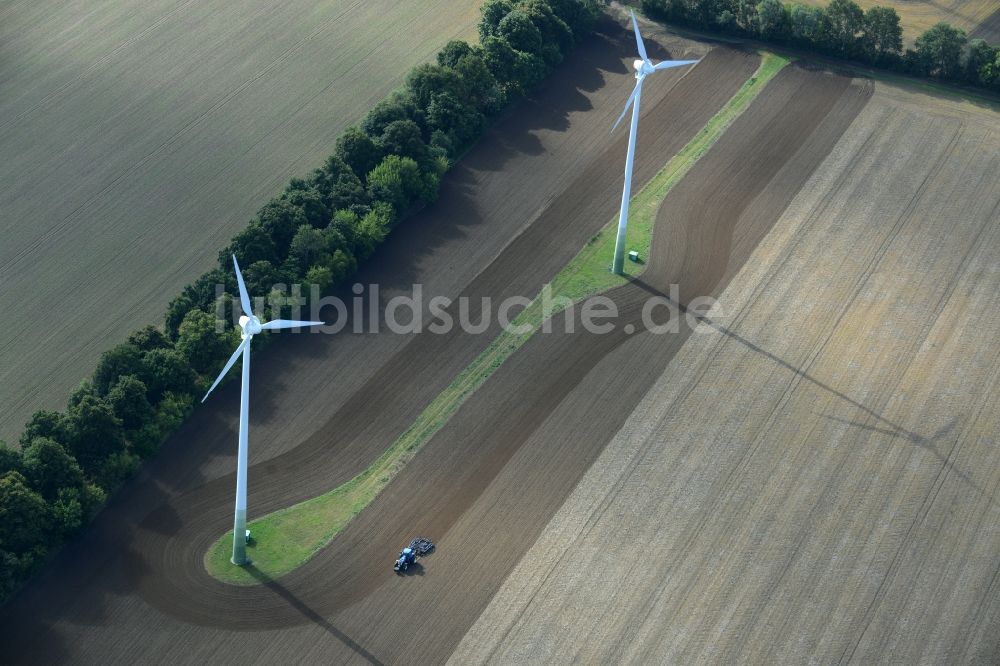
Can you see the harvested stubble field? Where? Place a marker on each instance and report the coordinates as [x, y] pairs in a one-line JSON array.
[[814, 477], [978, 18], [137, 138]]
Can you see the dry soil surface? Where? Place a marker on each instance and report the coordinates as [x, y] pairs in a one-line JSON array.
[[814, 477], [978, 18]]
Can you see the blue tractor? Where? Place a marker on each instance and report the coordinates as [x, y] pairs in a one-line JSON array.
[[408, 556]]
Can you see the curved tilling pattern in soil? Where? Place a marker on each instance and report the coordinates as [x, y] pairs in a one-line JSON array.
[[489, 481], [496, 440], [555, 151]]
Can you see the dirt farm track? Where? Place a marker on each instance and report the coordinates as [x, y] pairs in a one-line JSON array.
[[811, 475]]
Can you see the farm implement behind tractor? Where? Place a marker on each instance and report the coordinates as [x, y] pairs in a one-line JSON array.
[[408, 556]]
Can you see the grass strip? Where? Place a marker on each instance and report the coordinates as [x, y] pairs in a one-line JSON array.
[[286, 539]]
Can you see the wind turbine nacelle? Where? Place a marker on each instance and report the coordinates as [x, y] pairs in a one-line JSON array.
[[250, 325], [643, 68]]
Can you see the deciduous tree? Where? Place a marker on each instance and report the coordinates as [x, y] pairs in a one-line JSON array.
[[94, 433], [48, 467], [979, 55], [358, 151], [300, 193], [120, 360], [397, 181], [845, 21], [24, 516], [492, 13], [400, 105], [148, 338], [520, 32], [402, 138], [452, 52], [128, 398], [10, 459], [206, 341], [252, 244], [168, 370], [338, 185], [882, 37], [44, 423], [806, 24], [940, 48], [772, 22], [280, 218]]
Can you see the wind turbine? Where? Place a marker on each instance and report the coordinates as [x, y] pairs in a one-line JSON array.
[[250, 326], [643, 68]]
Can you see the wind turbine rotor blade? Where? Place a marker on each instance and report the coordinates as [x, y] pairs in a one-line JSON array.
[[244, 298], [288, 323], [229, 364], [667, 64], [638, 38], [628, 104]]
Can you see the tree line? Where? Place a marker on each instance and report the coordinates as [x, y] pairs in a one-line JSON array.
[[317, 231], [842, 29]]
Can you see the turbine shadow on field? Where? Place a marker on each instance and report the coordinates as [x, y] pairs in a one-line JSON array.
[[898, 431], [989, 29], [890, 428], [928, 443], [310, 614]]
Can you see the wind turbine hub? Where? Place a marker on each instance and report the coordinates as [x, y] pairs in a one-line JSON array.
[[250, 325], [643, 67]]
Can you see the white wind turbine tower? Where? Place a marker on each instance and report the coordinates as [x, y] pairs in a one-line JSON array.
[[250, 326], [643, 68]]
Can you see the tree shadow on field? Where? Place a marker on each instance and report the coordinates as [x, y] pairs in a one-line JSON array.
[[310, 614], [29, 640], [549, 106], [423, 238], [79, 585], [610, 49]]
